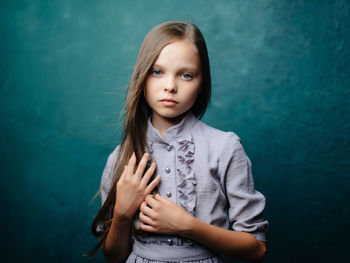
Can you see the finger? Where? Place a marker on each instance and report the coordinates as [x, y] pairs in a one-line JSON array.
[[131, 165], [145, 219], [150, 201], [122, 177], [148, 228], [142, 165], [158, 197], [152, 185], [145, 179], [145, 209]]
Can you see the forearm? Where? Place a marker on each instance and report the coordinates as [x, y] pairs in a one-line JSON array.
[[132, 188], [240, 245], [117, 245]]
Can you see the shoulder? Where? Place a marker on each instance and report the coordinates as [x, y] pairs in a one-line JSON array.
[[223, 140], [111, 162], [112, 158], [108, 171]]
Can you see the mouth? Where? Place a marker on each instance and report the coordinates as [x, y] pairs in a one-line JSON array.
[[168, 102]]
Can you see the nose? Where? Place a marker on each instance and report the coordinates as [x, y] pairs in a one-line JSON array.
[[170, 85]]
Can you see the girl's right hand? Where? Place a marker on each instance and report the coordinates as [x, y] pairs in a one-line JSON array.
[[132, 187]]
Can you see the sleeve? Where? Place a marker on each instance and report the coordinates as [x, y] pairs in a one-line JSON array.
[[108, 174], [246, 205]]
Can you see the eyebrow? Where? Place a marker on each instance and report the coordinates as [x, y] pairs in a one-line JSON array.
[[181, 69]]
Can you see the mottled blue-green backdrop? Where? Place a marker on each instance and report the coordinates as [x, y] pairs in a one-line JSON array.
[[280, 72]]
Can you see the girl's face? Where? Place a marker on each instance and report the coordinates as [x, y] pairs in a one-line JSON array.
[[174, 81]]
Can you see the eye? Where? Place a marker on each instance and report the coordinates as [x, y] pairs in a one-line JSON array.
[[186, 76], [156, 72]]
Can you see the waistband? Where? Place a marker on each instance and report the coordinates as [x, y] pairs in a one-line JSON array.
[[166, 252]]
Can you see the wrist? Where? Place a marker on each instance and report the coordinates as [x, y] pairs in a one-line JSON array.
[[189, 223], [121, 219]]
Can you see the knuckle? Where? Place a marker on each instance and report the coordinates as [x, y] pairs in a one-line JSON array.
[[147, 198], [157, 207], [134, 181], [127, 179], [145, 156], [143, 161], [143, 227], [134, 185], [153, 217], [139, 189], [142, 207], [152, 167]]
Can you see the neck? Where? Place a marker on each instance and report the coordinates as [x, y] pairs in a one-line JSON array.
[[163, 124]]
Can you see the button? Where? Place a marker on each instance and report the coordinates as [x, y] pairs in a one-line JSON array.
[[170, 241], [100, 228], [167, 170], [169, 147], [168, 194]]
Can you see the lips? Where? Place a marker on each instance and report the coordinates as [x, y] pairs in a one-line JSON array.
[[169, 100]]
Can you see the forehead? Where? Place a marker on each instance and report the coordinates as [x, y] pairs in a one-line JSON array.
[[179, 53]]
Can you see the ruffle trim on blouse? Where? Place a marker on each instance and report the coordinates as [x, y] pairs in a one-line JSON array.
[[186, 180]]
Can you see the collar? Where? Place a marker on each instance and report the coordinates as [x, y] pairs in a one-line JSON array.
[[178, 131]]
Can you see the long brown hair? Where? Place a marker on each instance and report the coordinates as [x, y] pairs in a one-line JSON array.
[[137, 111]]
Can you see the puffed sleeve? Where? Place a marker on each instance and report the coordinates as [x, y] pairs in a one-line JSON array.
[[246, 205], [108, 174]]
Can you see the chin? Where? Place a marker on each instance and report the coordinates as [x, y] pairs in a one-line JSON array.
[[170, 115], [176, 116]]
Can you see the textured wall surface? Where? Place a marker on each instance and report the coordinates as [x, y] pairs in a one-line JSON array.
[[281, 79]]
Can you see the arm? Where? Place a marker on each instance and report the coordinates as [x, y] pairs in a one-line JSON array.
[[245, 207], [117, 245], [132, 188], [160, 215], [234, 244]]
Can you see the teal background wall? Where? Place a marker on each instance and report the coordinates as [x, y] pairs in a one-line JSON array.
[[281, 78]]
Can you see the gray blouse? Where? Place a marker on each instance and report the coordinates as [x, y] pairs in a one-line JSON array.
[[205, 171]]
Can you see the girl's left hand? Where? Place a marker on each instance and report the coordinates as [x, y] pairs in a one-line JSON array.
[[160, 215]]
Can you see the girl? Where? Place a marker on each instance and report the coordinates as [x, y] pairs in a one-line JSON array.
[[203, 177]]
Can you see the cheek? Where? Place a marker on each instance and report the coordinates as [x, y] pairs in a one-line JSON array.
[[148, 89], [195, 91]]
